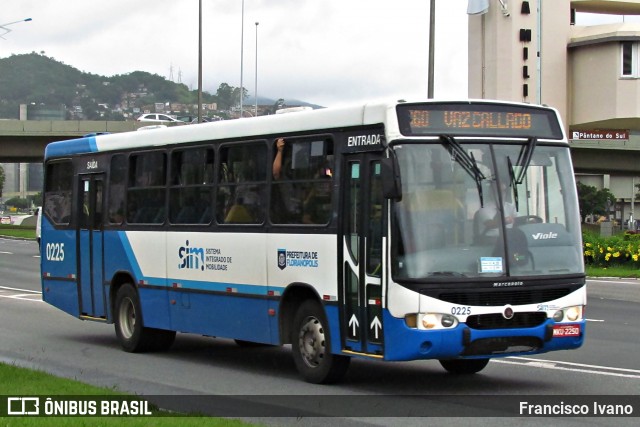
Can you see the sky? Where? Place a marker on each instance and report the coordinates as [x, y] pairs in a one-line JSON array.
[[326, 52]]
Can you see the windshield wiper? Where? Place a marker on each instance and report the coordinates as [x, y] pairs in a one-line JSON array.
[[514, 184], [524, 159], [466, 160]]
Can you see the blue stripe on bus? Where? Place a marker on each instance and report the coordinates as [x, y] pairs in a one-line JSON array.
[[126, 246], [72, 146], [222, 287]]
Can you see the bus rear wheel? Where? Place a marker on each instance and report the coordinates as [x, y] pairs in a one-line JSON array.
[[464, 366], [311, 345], [134, 337]]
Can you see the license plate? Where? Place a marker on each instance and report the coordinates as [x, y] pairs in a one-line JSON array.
[[560, 331]]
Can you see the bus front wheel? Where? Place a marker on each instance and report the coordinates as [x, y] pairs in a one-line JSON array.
[[464, 366], [311, 346], [134, 337]]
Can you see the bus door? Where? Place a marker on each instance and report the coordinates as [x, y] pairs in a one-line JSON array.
[[362, 231], [90, 246]]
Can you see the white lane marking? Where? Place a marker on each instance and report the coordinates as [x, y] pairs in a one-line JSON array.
[[24, 295], [594, 320], [570, 367], [6, 253], [19, 289]]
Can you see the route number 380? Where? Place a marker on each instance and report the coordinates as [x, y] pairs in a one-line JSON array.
[[55, 251]]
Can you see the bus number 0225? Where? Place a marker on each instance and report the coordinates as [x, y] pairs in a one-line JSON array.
[[55, 251], [461, 311]]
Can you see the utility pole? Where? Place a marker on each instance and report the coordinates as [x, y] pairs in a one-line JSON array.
[[432, 43]]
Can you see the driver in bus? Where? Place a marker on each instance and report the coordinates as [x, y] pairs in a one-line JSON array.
[[487, 218]]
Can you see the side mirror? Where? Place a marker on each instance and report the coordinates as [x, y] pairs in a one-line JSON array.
[[391, 184]]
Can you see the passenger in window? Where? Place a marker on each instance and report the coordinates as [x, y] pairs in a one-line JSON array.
[[277, 162], [317, 203], [285, 208]]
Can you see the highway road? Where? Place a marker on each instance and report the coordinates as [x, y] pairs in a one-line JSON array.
[[607, 367]]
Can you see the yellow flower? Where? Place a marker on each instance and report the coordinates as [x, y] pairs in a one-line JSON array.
[[635, 257], [588, 245], [607, 256], [616, 254]]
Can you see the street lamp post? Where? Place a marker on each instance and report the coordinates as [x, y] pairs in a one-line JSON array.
[[8, 30], [241, 57], [256, 76], [432, 48], [200, 62]]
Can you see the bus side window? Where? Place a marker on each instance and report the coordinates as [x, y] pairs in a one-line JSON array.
[[241, 184], [146, 193], [117, 183], [57, 196], [191, 194], [302, 179]]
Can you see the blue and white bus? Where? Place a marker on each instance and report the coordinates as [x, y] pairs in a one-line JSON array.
[[391, 231]]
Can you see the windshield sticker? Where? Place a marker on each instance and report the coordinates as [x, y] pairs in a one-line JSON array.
[[491, 265]]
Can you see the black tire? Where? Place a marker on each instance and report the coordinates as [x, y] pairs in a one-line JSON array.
[[311, 345], [133, 336], [464, 366]]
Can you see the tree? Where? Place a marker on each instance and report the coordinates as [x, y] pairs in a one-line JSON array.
[[225, 95], [593, 201], [18, 202]]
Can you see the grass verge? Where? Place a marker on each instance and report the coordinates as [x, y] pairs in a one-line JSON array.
[[16, 381], [615, 271], [17, 231]]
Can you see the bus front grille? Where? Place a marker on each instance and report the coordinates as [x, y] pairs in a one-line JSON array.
[[497, 321], [493, 298]]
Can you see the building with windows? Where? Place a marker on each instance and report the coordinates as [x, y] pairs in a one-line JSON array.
[[533, 51]]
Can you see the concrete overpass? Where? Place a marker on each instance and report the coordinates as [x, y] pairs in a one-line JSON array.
[[23, 141]]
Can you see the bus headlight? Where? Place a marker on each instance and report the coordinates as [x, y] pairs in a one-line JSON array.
[[574, 313], [431, 321], [568, 314]]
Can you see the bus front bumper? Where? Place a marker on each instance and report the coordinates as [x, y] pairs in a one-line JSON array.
[[405, 343]]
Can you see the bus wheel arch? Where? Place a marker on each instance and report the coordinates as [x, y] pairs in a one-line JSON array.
[[294, 295], [311, 346], [133, 336]]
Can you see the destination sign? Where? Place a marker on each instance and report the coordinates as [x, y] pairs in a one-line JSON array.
[[477, 119]]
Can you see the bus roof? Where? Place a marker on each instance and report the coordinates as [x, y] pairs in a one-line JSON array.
[[326, 118], [279, 124]]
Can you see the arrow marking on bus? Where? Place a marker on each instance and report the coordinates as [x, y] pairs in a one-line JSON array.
[[353, 322], [376, 325]]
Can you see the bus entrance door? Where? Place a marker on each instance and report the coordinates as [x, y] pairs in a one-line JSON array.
[[90, 246], [362, 231]]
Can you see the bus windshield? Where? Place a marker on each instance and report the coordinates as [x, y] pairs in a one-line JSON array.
[[484, 210]]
